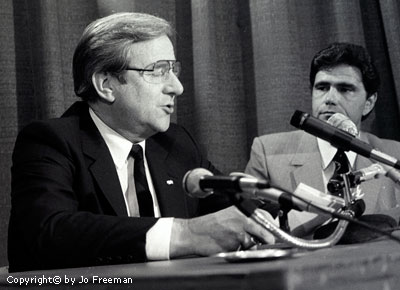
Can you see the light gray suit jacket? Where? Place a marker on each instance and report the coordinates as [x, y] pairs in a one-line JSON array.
[[289, 158]]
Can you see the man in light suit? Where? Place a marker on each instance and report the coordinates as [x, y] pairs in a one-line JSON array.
[[76, 198], [343, 80]]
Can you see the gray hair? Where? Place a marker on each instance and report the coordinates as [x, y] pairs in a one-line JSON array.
[[105, 43]]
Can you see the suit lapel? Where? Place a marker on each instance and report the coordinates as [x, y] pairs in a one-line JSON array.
[[308, 170], [307, 163], [167, 182], [101, 165]]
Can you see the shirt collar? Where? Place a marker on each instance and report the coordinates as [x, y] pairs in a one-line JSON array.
[[118, 145], [328, 152]]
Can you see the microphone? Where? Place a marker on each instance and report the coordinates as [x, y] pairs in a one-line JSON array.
[[201, 183], [368, 173], [342, 122], [302, 199], [376, 169], [339, 138]]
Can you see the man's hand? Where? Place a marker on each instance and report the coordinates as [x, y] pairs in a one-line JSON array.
[[225, 230]]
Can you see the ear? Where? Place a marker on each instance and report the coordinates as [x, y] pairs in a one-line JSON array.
[[102, 82], [370, 104]]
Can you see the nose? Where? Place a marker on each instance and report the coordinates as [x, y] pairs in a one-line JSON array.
[[331, 97], [173, 85]]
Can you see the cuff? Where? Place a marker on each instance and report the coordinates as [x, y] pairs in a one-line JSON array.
[[158, 239]]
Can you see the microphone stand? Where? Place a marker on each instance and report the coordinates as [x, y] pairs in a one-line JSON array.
[[250, 208]]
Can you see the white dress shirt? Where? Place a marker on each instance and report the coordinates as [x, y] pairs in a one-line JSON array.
[[159, 236]]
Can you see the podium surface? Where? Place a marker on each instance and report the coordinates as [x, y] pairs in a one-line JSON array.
[[372, 265]]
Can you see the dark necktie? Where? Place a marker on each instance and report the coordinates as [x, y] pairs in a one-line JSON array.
[[145, 201], [335, 184]]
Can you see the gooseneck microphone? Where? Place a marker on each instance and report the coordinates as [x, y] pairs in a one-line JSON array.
[[339, 138], [200, 182]]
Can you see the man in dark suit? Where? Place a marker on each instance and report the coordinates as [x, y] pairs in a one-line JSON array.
[[343, 80], [102, 184]]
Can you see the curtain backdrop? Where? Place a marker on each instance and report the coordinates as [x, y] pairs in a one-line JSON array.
[[245, 66]]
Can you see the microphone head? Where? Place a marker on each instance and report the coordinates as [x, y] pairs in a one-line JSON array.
[[344, 123], [191, 182], [298, 119]]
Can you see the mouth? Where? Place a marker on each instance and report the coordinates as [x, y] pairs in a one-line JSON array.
[[169, 108]]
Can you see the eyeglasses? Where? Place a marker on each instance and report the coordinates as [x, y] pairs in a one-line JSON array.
[[158, 72]]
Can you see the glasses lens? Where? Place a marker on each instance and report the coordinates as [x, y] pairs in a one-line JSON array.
[[176, 67], [160, 70]]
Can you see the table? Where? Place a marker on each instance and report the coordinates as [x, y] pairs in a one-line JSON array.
[[373, 265]]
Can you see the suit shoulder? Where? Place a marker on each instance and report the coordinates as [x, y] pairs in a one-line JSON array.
[[282, 137], [63, 125], [56, 127], [41, 138], [385, 145], [283, 143]]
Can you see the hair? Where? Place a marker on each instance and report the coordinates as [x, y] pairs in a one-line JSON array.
[[105, 44], [350, 54]]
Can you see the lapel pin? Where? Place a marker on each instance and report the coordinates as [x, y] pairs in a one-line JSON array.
[[170, 182]]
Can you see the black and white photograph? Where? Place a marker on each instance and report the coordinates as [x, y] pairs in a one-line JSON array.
[[200, 144]]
